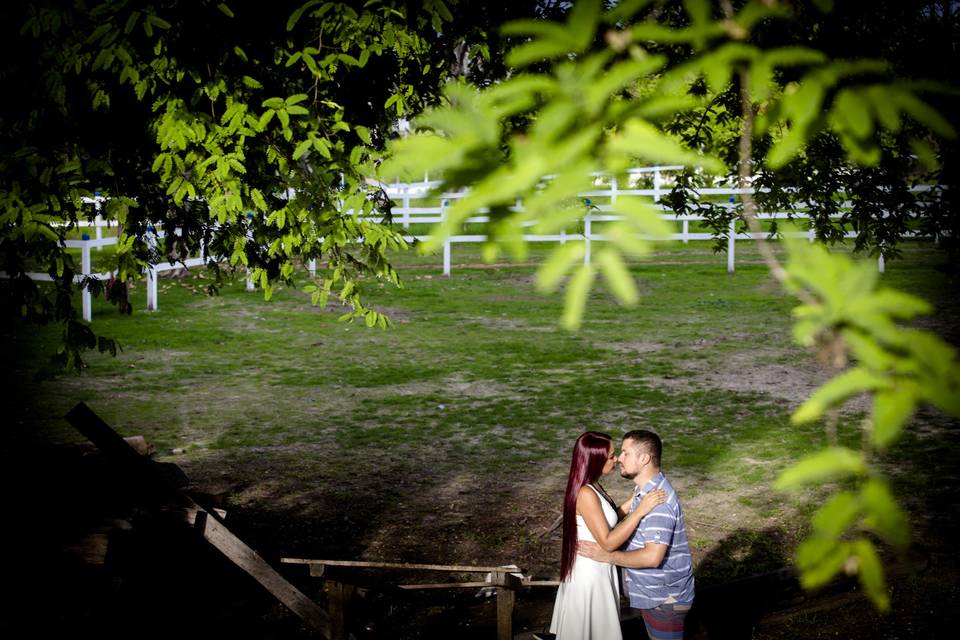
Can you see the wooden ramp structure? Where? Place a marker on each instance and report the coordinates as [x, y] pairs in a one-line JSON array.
[[156, 487], [505, 580]]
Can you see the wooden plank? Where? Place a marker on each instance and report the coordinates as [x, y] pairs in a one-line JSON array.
[[504, 579], [212, 530], [337, 604], [399, 565], [115, 448], [505, 601], [444, 585], [217, 534], [541, 583], [459, 585]]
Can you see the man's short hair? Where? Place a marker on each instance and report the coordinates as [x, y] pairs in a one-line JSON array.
[[649, 440]]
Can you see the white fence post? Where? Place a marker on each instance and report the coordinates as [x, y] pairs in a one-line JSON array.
[[731, 237], [613, 191], [686, 231], [86, 298], [446, 243], [880, 263], [152, 271], [312, 267], [731, 242], [656, 185]]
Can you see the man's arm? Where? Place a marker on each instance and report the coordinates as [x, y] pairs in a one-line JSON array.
[[649, 557]]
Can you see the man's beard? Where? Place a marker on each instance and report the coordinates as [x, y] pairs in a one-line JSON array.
[[628, 476]]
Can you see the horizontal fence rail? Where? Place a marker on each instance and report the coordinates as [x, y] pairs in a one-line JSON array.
[[406, 214]]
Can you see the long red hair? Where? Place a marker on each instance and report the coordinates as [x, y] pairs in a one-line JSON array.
[[590, 454]]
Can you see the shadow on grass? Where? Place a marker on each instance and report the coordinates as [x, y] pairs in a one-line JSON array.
[[743, 579]]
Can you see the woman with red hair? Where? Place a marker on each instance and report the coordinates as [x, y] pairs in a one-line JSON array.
[[588, 601]]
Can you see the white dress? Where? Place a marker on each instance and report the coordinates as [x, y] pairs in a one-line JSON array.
[[588, 602]]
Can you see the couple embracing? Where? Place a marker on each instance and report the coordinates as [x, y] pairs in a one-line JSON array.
[[645, 535]]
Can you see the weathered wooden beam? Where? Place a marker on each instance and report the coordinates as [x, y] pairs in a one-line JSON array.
[[338, 599], [444, 585], [505, 601], [210, 527], [117, 450], [504, 579], [360, 564], [541, 583], [217, 534]]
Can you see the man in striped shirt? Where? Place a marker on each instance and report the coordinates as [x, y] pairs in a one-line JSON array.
[[659, 568]]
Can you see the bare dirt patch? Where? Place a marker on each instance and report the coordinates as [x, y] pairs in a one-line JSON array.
[[790, 375]]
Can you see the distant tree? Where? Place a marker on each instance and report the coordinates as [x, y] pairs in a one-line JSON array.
[[248, 128], [875, 172]]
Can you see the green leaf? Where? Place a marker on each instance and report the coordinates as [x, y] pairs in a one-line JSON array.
[[868, 352], [295, 16], [827, 464], [850, 109], [787, 148], [582, 23], [871, 573], [641, 139], [925, 154], [323, 148], [618, 278], [619, 77], [836, 389], [258, 199], [899, 304], [624, 10], [535, 51], [698, 10], [884, 515], [803, 104], [891, 410], [273, 103], [98, 32], [925, 114], [225, 10], [576, 298], [834, 517], [761, 79], [157, 21], [363, 133], [302, 148], [643, 217], [793, 56], [131, 22], [819, 559]]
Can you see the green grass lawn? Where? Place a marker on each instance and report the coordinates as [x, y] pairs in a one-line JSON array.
[[470, 402]]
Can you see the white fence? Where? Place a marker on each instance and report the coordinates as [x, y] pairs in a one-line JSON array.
[[407, 214], [86, 245]]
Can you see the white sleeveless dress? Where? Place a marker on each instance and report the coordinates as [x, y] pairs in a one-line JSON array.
[[588, 602]]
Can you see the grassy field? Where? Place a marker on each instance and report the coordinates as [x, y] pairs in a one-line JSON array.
[[446, 438]]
